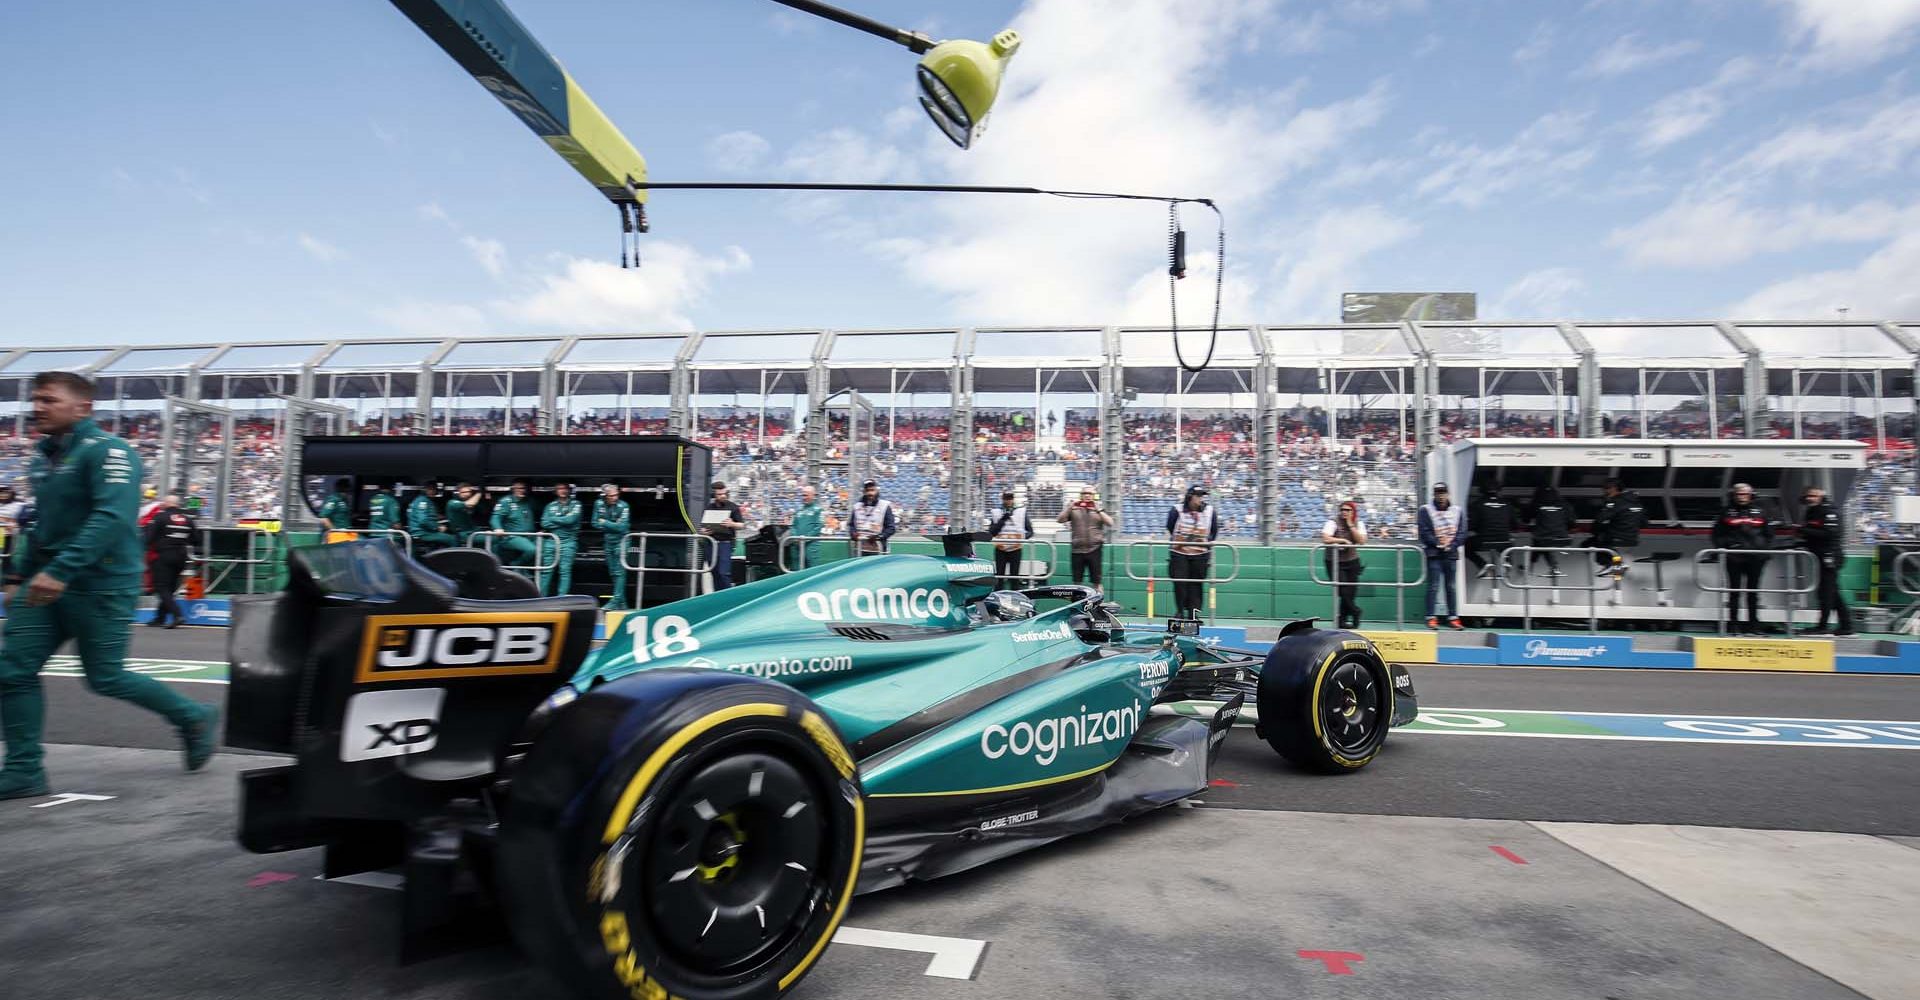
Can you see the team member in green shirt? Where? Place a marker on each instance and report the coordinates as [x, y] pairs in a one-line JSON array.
[[562, 518], [810, 521], [611, 518], [513, 513], [423, 519], [383, 511], [337, 512], [77, 577], [461, 509]]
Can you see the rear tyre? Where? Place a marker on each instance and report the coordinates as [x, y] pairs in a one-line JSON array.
[[1326, 700], [682, 833]]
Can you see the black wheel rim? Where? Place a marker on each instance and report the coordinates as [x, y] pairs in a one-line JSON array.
[[736, 862], [1350, 707]]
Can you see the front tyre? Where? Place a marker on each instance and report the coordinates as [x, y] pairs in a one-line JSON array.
[[682, 834], [1326, 700]]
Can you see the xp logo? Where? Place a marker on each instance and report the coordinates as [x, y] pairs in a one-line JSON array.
[[391, 723], [432, 647]]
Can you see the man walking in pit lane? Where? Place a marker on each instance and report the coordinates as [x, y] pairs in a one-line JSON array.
[[1743, 525], [169, 533], [1443, 530], [78, 579], [872, 522], [1009, 530], [1821, 534], [611, 518]]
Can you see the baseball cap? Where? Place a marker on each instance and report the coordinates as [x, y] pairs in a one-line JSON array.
[[1196, 490], [871, 482]]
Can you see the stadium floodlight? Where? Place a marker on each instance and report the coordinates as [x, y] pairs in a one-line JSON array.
[[959, 78]]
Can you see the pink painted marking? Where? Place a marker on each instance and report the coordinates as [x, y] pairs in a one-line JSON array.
[[1222, 783], [1509, 855], [269, 878], [1338, 963]]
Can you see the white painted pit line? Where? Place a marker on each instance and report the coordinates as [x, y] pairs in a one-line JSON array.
[[953, 958]]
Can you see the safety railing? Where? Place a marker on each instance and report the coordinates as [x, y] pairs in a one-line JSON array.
[[1906, 567], [1522, 581], [262, 548], [485, 540], [1023, 569], [802, 546], [401, 539], [1317, 559], [1788, 576], [1211, 581], [634, 555], [1903, 564]]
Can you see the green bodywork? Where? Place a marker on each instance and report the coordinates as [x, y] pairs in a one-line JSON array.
[[1018, 704]]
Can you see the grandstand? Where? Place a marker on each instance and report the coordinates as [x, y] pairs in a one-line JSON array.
[[1285, 421]]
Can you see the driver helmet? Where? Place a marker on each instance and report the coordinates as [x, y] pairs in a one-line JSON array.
[[1009, 606]]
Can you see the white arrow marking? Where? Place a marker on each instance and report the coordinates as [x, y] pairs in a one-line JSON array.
[[953, 958], [65, 797], [387, 879]]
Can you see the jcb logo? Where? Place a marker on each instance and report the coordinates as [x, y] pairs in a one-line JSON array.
[[430, 647]]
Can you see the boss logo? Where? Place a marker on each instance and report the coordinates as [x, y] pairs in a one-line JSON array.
[[431, 647]]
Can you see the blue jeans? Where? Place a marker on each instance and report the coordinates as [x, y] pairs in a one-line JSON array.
[[722, 565], [1439, 573]]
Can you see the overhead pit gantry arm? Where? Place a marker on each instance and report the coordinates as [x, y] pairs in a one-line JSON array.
[[490, 43]]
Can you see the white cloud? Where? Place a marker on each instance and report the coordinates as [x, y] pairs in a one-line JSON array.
[[1537, 45], [1327, 261], [1549, 291], [1470, 175], [844, 155], [432, 212], [1879, 144], [1685, 113], [738, 152], [491, 254], [1721, 231], [1627, 54], [1882, 286], [1851, 33], [320, 249], [1072, 118], [595, 295]]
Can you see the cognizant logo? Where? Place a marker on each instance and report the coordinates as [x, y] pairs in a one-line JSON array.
[[1044, 740], [875, 604]]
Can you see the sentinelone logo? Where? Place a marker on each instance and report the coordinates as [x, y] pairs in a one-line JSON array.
[[1046, 634], [429, 647], [1538, 648], [884, 603]]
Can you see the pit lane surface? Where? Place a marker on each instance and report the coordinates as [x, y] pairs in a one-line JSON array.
[[1766, 787], [1416, 877]]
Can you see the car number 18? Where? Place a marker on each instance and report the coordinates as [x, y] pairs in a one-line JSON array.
[[671, 635]]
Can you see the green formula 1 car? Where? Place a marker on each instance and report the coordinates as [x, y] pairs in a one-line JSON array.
[[687, 810]]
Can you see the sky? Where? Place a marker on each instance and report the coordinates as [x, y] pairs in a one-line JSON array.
[[202, 171]]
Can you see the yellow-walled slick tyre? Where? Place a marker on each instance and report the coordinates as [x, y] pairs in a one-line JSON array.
[[1326, 700], [689, 834]]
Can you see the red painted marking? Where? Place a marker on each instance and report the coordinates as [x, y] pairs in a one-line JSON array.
[[269, 878], [1509, 855], [1335, 961], [1222, 783]]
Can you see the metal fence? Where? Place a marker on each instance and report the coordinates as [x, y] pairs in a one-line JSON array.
[[1210, 581], [1590, 585], [1317, 555], [1788, 576]]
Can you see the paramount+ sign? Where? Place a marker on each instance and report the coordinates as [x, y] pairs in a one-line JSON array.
[[436, 647]]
